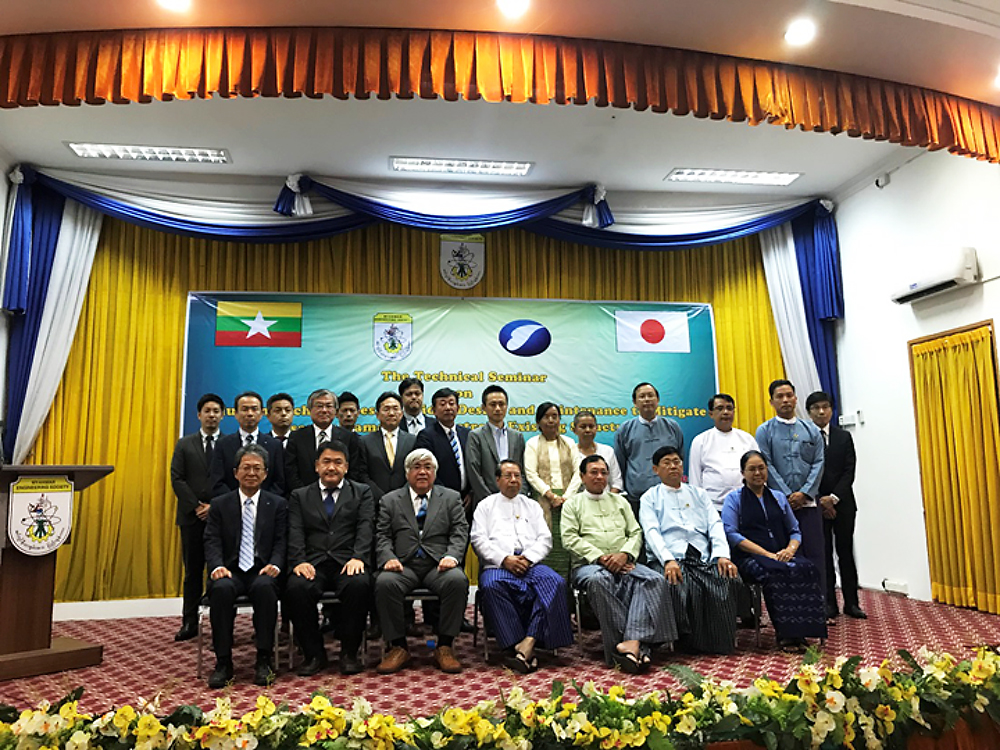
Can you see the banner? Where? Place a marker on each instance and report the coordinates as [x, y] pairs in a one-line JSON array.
[[580, 355]]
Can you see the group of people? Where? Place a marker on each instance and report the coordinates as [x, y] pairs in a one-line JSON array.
[[291, 514]]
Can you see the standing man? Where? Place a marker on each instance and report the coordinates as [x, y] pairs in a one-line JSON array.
[[449, 444], [492, 443], [411, 391], [245, 547], [280, 411], [421, 540], [793, 449], [249, 409], [190, 478], [714, 461], [330, 525], [638, 438], [386, 448], [301, 453], [836, 498], [347, 412]]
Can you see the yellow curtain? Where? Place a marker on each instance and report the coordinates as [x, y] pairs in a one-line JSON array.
[[954, 380], [119, 400]]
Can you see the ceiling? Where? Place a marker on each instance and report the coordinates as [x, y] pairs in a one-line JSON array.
[[948, 45]]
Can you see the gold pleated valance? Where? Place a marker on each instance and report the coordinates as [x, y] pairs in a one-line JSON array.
[[142, 65]]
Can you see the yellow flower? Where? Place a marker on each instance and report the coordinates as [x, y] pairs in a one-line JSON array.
[[124, 717], [265, 705], [528, 715], [833, 679], [885, 712], [317, 732], [616, 693], [319, 703], [457, 721], [981, 671], [686, 724], [79, 740], [147, 728], [884, 672]]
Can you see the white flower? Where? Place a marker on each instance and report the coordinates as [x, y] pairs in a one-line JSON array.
[[423, 722], [869, 677], [79, 740], [517, 700], [835, 701], [981, 703], [361, 707], [437, 739], [823, 724], [590, 689], [686, 724]]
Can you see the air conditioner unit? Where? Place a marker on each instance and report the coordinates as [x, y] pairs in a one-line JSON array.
[[961, 269]]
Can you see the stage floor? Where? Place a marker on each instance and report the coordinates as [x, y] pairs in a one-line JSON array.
[[141, 660]]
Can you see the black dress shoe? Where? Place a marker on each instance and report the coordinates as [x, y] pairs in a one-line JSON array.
[[263, 674], [188, 631], [350, 663], [853, 610], [221, 676], [467, 627], [832, 611], [312, 666]]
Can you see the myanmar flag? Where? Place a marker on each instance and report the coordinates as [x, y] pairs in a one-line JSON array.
[[258, 324]]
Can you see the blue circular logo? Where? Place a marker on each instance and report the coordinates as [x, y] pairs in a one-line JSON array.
[[525, 338]]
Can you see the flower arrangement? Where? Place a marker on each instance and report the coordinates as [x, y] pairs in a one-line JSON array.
[[838, 704]]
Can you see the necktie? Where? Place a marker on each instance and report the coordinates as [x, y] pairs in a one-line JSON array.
[[321, 439], [208, 447], [453, 439], [413, 425], [421, 517], [249, 440], [390, 453], [282, 439], [501, 439], [826, 437], [328, 502], [246, 537]]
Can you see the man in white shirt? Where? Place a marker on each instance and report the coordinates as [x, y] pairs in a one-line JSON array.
[[714, 461], [523, 601], [411, 392]]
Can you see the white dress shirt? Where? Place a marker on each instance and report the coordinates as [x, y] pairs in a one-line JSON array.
[[714, 461], [501, 526]]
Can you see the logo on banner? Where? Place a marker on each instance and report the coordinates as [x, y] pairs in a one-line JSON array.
[[525, 338], [654, 331], [40, 514], [463, 259], [276, 324], [392, 335]]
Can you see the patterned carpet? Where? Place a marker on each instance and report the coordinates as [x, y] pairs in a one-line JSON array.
[[141, 660]]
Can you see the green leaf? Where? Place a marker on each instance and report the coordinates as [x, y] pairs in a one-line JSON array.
[[657, 740], [726, 725], [850, 667], [812, 655], [908, 658], [558, 688], [688, 677], [8, 714], [187, 715], [73, 695]]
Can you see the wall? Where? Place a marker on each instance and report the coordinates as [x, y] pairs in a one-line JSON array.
[[932, 206]]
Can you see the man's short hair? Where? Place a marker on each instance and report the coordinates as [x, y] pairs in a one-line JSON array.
[[499, 471], [387, 395], [776, 384], [664, 450], [636, 390], [333, 445], [252, 450], [409, 383], [582, 414], [248, 394], [280, 397], [320, 393], [592, 459], [348, 398], [818, 397], [420, 454], [210, 398], [724, 396], [491, 389], [543, 408], [443, 393]]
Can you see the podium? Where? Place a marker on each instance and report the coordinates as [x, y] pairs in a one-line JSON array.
[[27, 584]]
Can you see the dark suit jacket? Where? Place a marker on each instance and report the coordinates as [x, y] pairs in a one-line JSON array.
[[434, 439], [190, 476], [446, 532], [314, 537], [428, 421], [838, 469], [482, 459], [383, 478], [224, 461], [300, 456], [225, 526]]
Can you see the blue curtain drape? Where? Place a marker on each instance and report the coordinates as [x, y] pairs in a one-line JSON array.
[[15, 293], [818, 253], [46, 218]]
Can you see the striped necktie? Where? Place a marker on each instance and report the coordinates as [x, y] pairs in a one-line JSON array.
[[453, 439], [248, 440], [246, 537], [421, 517]]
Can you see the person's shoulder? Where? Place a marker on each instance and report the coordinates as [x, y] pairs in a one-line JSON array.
[[395, 495], [272, 497], [701, 437], [445, 493], [359, 488]]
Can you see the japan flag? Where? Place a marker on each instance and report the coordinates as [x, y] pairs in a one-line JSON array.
[[652, 331]]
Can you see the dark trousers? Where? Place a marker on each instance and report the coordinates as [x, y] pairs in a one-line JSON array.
[[839, 533], [263, 592], [302, 596], [813, 544], [193, 556], [391, 588]]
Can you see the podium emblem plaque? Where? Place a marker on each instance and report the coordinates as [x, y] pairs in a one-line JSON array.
[[40, 513]]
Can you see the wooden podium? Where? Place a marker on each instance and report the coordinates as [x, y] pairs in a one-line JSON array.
[[27, 583]]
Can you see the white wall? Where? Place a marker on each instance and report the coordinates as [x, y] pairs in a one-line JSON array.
[[936, 204]]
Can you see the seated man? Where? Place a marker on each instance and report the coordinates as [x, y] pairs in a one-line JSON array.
[[685, 535], [524, 602], [329, 549], [421, 539], [630, 600], [245, 550]]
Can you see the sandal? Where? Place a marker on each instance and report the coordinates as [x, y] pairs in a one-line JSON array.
[[627, 662], [517, 662]]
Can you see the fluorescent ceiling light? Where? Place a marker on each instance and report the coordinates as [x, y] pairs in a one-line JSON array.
[[460, 166], [177, 6], [191, 154], [800, 32], [733, 176], [513, 8]]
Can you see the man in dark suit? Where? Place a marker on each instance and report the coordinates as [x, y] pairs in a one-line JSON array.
[[300, 450], [421, 539], [448, 442], [249, 410], [189, 476], [280, 413], [245, 547], [386, 448], [836, 498], [411, 393], [491, 443], [330, 530]]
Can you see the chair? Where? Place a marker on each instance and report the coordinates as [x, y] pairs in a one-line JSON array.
[[242, 602], [757, 597], [476, 606]]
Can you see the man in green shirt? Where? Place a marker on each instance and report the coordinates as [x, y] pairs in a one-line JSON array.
[[631, 601]]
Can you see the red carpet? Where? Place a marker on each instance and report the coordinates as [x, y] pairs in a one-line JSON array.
[[141, 659]]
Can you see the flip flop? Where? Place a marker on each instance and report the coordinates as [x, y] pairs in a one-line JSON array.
[[518, 663], [627, 662]]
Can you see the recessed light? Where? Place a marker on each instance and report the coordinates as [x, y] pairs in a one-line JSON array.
[[190, 154], [460, 166], [800, 32], [513, 8], [733, 176], [996, 81], [175, 6]]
